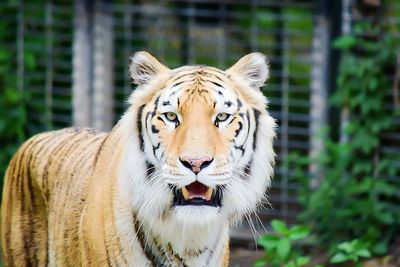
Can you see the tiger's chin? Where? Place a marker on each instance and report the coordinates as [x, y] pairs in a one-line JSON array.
[[195, 216]]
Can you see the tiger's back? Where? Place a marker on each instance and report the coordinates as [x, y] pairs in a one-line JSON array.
[[48, 173]]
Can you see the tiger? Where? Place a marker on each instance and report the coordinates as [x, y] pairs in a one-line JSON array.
[[191, 157]]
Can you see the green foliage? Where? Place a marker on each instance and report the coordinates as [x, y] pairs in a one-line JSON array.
[[351, 251], [357, 197], [13, 118], [279, 247]]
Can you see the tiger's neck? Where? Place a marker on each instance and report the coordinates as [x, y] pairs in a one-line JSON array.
[[166, 244]]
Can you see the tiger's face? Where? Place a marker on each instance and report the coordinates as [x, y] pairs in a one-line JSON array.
[[204, 138]]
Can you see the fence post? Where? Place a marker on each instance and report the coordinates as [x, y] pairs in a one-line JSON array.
[[346, 29], [319, 87], [81, 75], [102, 110]]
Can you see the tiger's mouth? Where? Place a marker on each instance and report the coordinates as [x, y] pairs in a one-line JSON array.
[[198, 194]]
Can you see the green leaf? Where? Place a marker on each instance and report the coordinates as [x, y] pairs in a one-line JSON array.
[[283, 248], [380, 249], [300, 261], [268, 241], [345, 42], [338, 258], [279, 226], [260, 263], [347, 247], [373, 83], [290, 264], [298, 232], [363, 253]]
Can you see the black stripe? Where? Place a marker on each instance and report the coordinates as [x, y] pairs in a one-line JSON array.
[[25, 239], [237, 132], [9, 178], [139, 127], [232, 120], [100, 149], [155, 148], [247, 169], [248, 124], [256, 118], [154, 129], [64, 156], [183, 75], [217, 84], [240, 148], [147, 251], [239, 103], [149, 169], [32, 204], [228, 103], [166, 103], [160, 119], [106, 245], [178, 83], [155, 105], [53, 152]]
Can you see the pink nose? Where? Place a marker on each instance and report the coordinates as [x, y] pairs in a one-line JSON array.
[[195, 164]]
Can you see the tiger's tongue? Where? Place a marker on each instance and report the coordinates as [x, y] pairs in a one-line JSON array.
[[197, 190]]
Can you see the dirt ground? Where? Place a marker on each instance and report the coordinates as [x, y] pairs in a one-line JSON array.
[[241, 257]]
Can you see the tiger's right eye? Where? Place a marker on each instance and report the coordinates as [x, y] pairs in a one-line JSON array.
[[171, 116]]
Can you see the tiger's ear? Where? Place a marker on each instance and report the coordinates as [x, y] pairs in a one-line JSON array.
[[143, 67], [253, 68]]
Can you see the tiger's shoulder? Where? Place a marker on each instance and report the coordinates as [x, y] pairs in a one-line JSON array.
[[49, 155]]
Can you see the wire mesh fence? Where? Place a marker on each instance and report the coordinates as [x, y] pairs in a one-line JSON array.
[[178, 33], [61, 50]]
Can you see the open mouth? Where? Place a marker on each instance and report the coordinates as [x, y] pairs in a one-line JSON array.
[[197, 194]]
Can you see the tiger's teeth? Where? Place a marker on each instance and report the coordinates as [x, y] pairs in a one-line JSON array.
[[185, 193], [209, 193]]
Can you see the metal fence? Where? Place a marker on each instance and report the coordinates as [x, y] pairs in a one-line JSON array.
[[73, 58]]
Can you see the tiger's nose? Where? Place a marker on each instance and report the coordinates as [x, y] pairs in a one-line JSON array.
[[196, 164]]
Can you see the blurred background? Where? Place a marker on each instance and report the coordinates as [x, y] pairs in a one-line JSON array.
[[334, 91]]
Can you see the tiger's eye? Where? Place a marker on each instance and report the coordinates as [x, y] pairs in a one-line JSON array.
[[171, 116], [222, 116]]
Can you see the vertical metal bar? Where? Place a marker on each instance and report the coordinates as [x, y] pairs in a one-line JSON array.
[[182, 14], [285, 115], [160, 28], [254, 26], [81, 66], [191, 27], [346, 29], [103, 54], [319, 88], [49, 66], [127, 48], [222, 40], [20, 46]]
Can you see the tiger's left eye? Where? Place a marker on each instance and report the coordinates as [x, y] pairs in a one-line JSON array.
[[222, 117], [171, 116]]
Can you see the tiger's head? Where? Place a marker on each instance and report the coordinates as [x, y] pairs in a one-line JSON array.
[[198, 141]]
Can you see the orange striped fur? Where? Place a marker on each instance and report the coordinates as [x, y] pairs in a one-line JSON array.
[[74, 197]]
